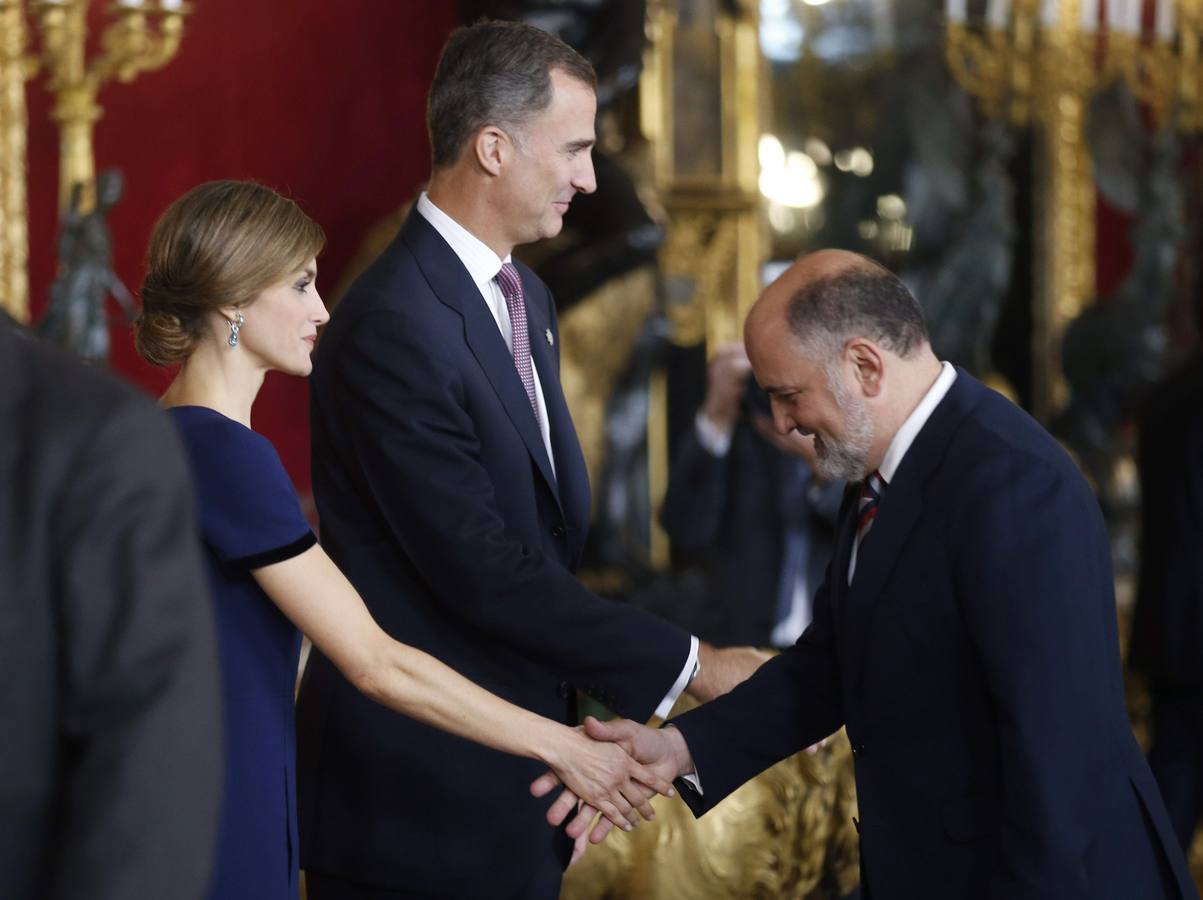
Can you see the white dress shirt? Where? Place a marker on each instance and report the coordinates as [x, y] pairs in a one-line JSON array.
[[483, 265], [906, 436]]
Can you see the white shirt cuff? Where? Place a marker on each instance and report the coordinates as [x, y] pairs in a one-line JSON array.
[[714, 440], [693, 780], [670, 699]]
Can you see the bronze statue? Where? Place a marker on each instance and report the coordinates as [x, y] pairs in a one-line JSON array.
[[76, 318]]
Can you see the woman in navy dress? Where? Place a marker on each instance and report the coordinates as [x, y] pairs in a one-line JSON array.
[[229, 295]]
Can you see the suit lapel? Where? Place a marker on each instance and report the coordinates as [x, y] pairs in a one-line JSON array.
[[450, 281], [900, 510], [571, 481], [880, 550], [845, 532]]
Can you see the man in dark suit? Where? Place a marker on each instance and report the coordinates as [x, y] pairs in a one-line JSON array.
[[453, 493], [1167, 624], [745, 510], [965, 634], [109, 705]]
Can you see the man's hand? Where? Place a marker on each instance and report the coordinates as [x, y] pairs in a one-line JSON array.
[[722, 669], [663, 756], [726, 376], [601, 777]]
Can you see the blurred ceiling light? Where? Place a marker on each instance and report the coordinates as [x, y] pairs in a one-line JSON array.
[[789, 179], [867, 229], [770, 152], [782, 218], [816, 2], [891, 206], [817, 150], [802, 164], [860, 162], [780, 32]]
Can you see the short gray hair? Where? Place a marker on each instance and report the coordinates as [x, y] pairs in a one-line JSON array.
[[868, 301]]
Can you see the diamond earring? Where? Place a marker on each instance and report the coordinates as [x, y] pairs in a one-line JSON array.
[[237, 324]]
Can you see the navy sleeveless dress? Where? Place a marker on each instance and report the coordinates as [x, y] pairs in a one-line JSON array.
[[250, 517]]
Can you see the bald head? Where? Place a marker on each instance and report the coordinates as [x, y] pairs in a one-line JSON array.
[[831, 296], [839, 344]]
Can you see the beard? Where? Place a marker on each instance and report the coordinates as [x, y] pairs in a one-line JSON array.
[[843, 459]]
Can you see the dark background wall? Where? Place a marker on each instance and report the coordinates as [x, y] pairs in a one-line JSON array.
[[321, 100]]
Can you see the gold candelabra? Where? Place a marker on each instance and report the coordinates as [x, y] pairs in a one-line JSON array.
[[142, 35], [1038, 62]]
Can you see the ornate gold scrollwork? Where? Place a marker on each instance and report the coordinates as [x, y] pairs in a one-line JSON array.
[[786, 833], [14, 229]]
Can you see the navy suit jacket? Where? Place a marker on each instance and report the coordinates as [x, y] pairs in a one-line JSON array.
[[975, 663], [438, 501]]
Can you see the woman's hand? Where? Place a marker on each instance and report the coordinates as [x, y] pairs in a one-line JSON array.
[[601, 775]]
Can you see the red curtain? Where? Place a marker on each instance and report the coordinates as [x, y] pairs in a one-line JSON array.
[[321, 99]]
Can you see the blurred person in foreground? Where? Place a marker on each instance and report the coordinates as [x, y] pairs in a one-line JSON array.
[[110, 761]]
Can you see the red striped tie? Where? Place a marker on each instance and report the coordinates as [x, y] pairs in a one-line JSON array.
[[870, 496]]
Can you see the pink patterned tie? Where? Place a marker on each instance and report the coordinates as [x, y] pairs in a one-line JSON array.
[[511, 288]]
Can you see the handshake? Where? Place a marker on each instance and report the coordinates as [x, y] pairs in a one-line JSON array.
[[613, 769]]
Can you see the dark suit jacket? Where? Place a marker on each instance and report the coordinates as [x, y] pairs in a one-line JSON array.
[[109, 708], [975, 663], [1167, 625], [438, 502], [725, 516]]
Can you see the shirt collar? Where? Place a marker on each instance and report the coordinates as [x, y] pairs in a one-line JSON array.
[[480, 261], [915, 421]]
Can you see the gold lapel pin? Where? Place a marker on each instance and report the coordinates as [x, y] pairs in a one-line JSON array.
[[551, 341]]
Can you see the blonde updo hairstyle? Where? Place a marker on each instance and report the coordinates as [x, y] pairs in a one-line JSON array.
[[219, 245]]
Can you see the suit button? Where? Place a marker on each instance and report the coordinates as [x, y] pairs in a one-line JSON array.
[[563, 690], [557, 531]]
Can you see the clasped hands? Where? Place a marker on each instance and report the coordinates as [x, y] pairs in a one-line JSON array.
[[640, 762], [615, 768]]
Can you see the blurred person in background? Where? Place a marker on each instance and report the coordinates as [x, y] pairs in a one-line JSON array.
[[745, 506], [1167, 623]]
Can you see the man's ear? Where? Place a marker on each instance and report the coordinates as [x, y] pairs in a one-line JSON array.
[[492, 148], [868, 364]]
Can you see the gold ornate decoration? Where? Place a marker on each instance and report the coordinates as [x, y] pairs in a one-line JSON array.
[[143, 36], [14, 228], [1038, 62], [700, 114], [787, 833], [596, 338]]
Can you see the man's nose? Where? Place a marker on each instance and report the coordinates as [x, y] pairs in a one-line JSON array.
[[782, 420], [585, 180]]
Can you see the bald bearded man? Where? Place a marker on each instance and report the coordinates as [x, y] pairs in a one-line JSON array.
[[965, 633]]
